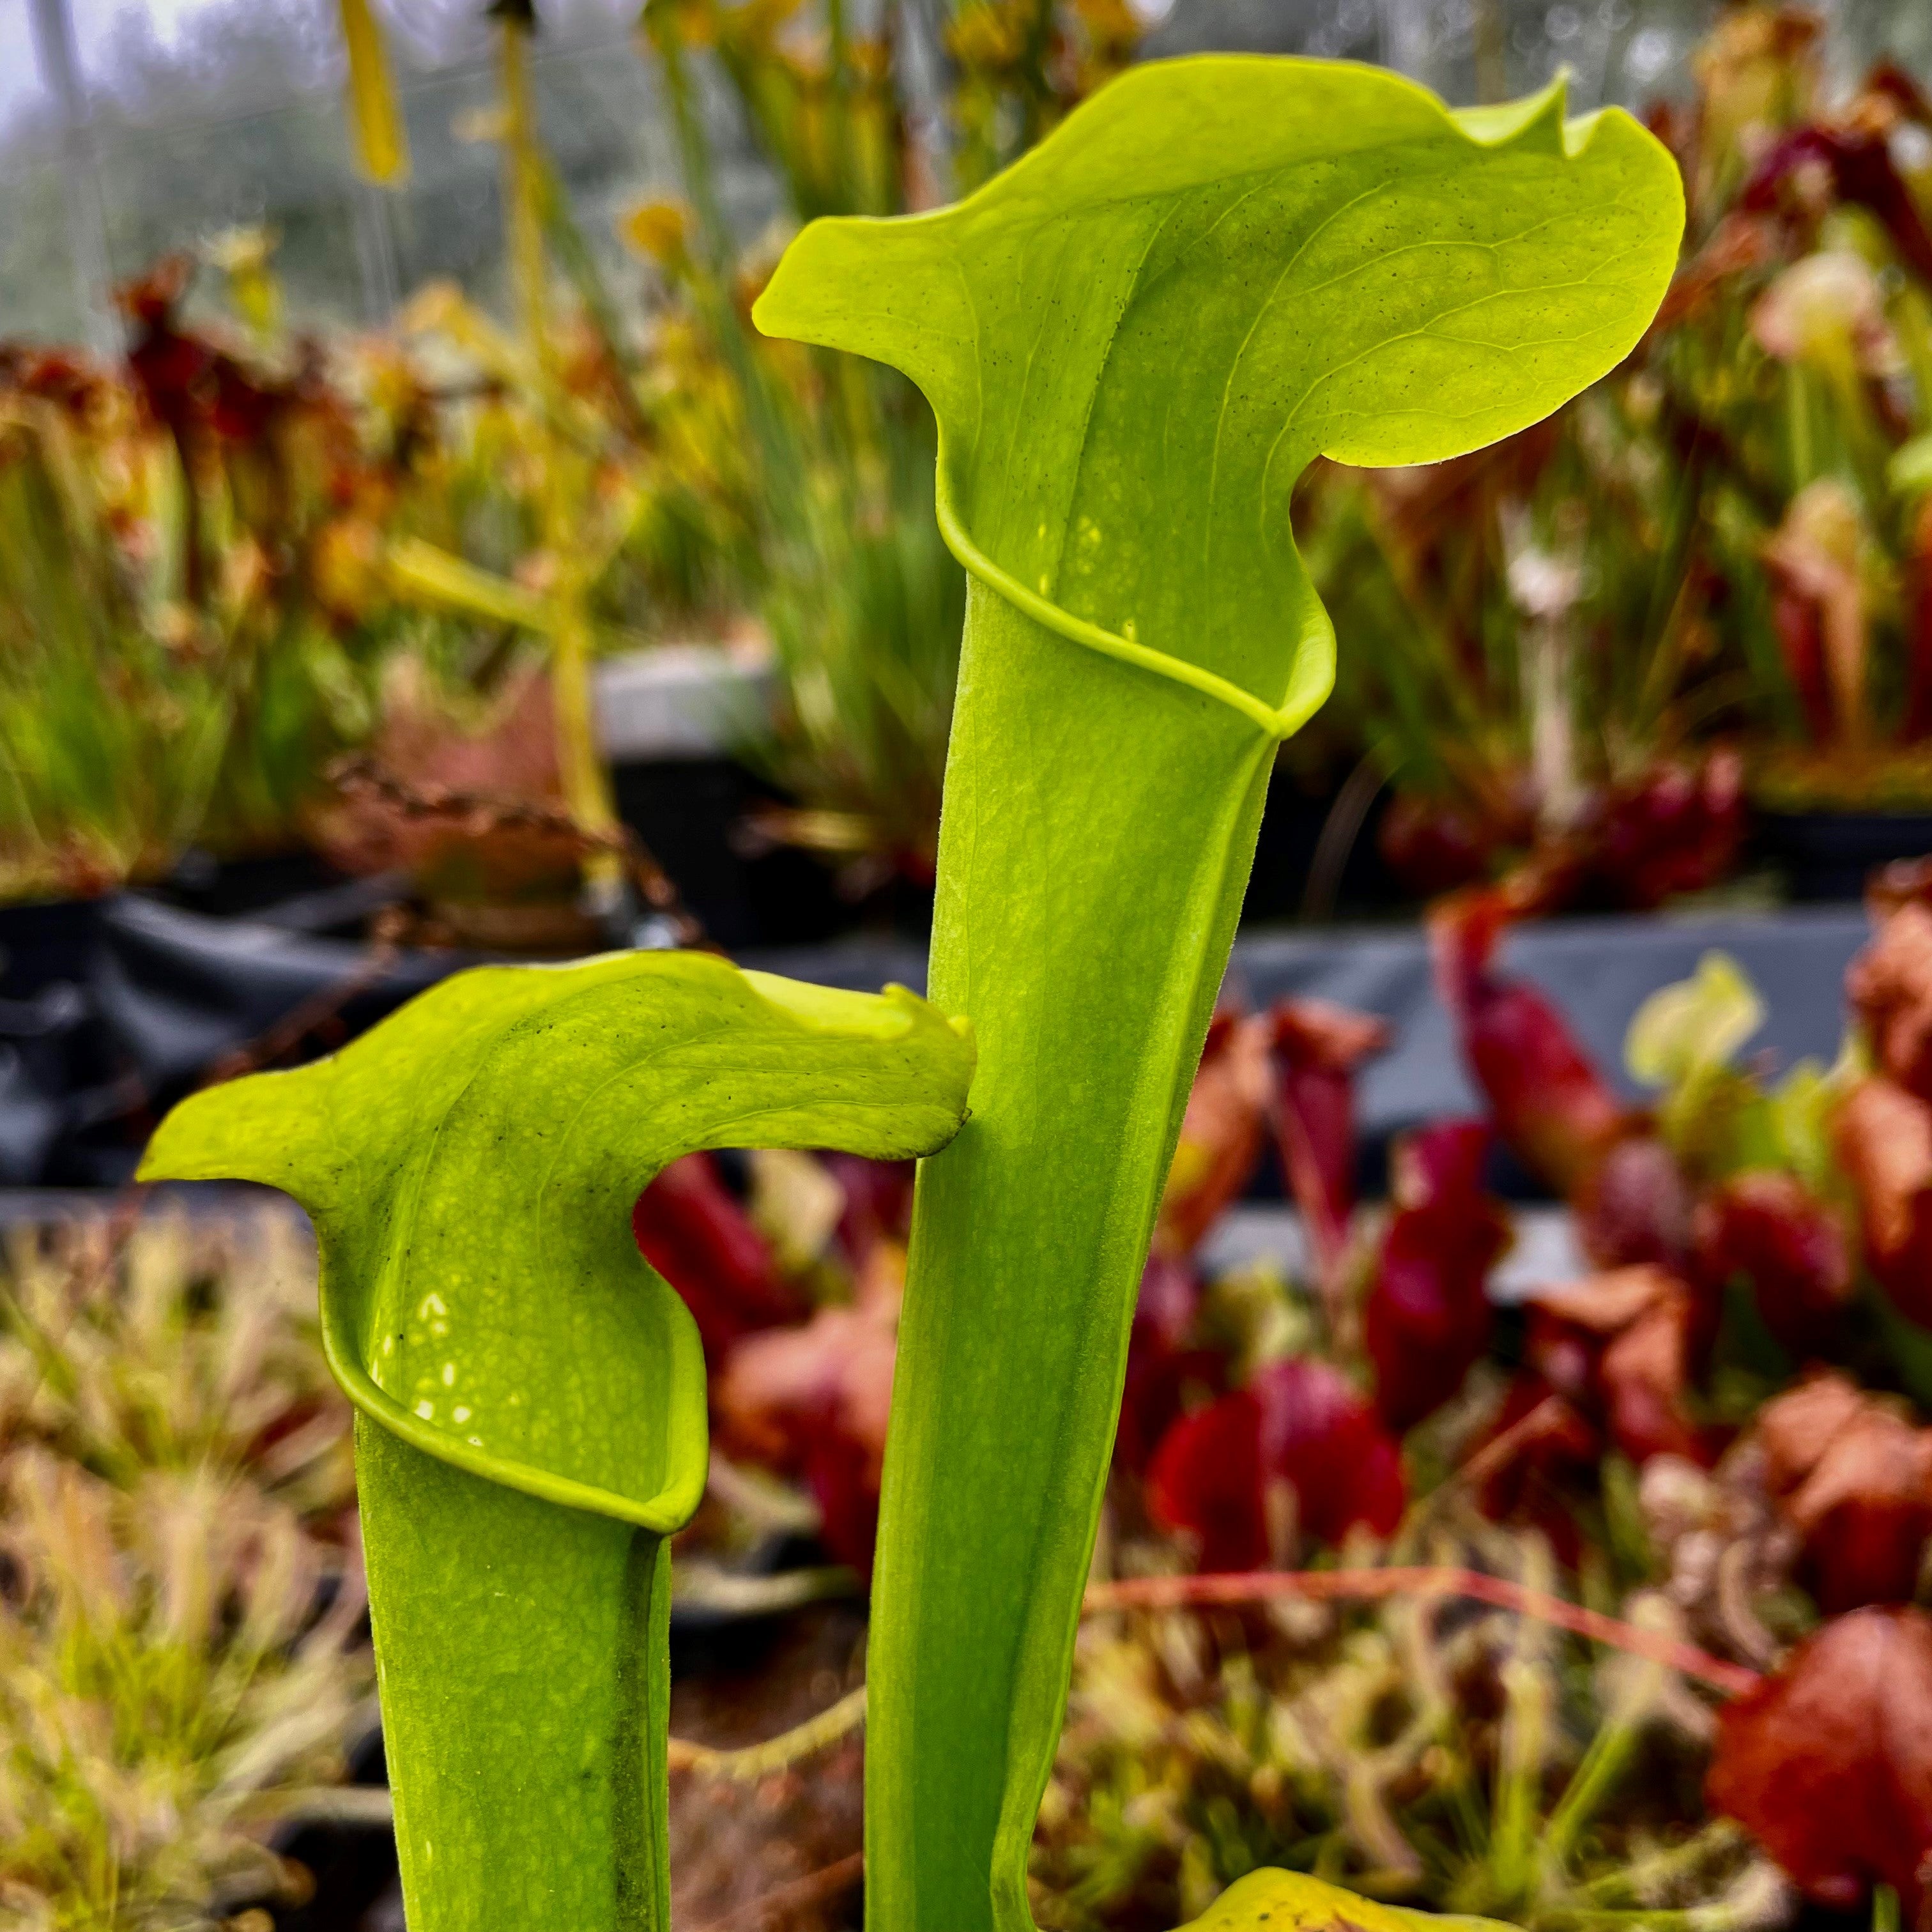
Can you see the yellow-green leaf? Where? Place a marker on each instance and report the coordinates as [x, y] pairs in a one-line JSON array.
[[1134, 341], [532, 1395], [1137, 338], [375, 113], [1694, 1026], [1293, 1902], [422, 572]]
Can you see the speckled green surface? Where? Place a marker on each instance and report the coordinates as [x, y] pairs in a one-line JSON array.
[[532, 1395]]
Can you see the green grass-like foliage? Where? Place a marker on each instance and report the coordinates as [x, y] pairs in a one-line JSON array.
[[531, 1395], [1134, 341]]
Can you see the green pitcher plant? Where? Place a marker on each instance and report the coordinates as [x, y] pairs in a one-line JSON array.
[[1134, 341], [530, 1394]]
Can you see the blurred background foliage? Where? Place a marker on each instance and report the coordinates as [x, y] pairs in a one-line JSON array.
[[297, 466], [1723, 545], [294, 462]]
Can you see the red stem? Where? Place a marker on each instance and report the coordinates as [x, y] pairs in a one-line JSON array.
[[817, 1887], [1164, 1593]]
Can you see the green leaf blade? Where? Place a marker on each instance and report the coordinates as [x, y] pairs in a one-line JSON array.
[[470, 1166], [1134, 341], [1137, 337], [1089, 932], [532, 1396]]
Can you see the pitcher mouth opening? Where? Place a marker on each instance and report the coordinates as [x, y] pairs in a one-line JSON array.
[[1306, 696]]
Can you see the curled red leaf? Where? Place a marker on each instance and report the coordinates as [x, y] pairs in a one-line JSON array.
[[692, 1231], [1435, 845], [1635, 1207], [1794, 1430], [1164, 1367], [1300, 1428], [1644, 1373], [186, 382], [1550, 1103], [1827, 1762], [1677, 828], [1427, 1319], [1902, 883], [1317, 1046], [1854, 1478], [1206, 1478], [1768, 1229], [1322, 1438], [812, 1400], [1539, 1453], [1890, 988], [1221, 1132], [1859, 159], [1621, 1347], [1882, 1135]]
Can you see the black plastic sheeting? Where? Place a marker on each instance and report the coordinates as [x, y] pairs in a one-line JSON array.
[[136, 1004], [177, 991], [1598, 970], [109, 1012]]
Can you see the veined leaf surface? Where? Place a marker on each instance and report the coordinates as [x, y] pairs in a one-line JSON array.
[[1134, 341], [532, 1395]]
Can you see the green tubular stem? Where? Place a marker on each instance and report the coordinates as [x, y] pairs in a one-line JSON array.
[[535, 1740], [1135, 339], [530, 1395], [1276, 721], [1099, 830]]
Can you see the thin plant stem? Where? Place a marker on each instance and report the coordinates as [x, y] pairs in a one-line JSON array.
[[751, 1762], [795, 1899], [585, 788], [1528, 1700], [1608, 1753], [1661, 1869], [1174, 1593]]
